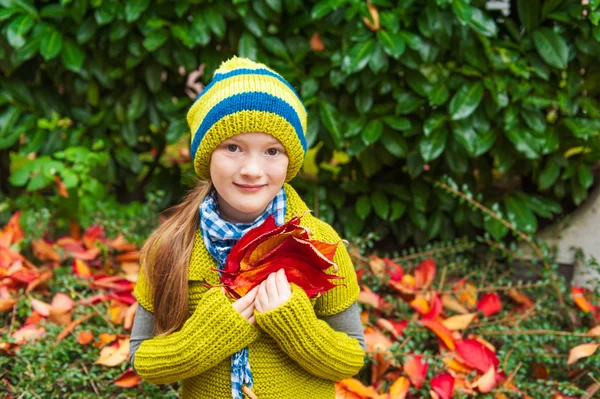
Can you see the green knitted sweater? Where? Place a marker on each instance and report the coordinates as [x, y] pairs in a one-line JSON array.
[[292, 353]]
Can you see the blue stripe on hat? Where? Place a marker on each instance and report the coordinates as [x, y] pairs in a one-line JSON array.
[[246, 71], [249, 101]]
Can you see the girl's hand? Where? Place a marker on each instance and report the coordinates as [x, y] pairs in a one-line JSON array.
[[275, 290], [245, 305]]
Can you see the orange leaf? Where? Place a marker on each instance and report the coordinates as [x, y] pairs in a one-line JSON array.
[[7, 304], [81, 269], [476, 355], [399, 388], [368, 297], [520, 298], [44, 251], [393, 327], [60, 316], [443, 385], [489, 304], [487, 381], [28, 333], [315, 43], [128, 379], [452, 303], [420, 304], [351, 388], [62, 189], [442, 332], [374, 26], [92, 235], [416, 370], [131, 256], [85, 337], [578, 295], [581, 351], [68, 329], [459, 322], [114, 355], [129, 315], [466, 293], [40, 306], [424, 274], [14, 228], [595, 332], [457, 366], [120, 244], [377, 265]]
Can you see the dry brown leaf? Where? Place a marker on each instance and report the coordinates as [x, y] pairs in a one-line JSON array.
[[374, 26], [581, 351], [450, 303], [459, 322], [68, 329], [115, 354], [315, 43]]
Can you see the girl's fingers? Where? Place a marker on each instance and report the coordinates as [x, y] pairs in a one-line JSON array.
[[262, 294], [283, 286], [248, 312], [247, 299], [258, 305], [252, 320], [272, 286]]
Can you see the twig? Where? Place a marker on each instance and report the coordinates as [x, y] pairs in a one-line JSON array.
[[518, 232], [426, 253], [103, 314], [538, 332], [504, 287], [12, 319], [91, 380], [443, 278], [512, 374]]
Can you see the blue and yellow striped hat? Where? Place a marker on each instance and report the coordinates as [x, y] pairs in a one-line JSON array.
[[246, 96]]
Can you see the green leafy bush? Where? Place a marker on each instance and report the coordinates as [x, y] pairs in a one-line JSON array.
[[398, 93]]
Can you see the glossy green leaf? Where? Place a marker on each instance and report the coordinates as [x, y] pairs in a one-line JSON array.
[[466, 100], [529, 13], [397, 209], [482, 23], [397, 123], [135, 8], [585, 176], [247, 46], [72, 56], [51, 44], [432, 146], [462, 10], [331, 120], [358, 57], [395, 144], [551, 47], [372, 132], [392, 43], [434, 122], [363, 207], [155, 39], [549, 175], [381, 204], [525, 142]]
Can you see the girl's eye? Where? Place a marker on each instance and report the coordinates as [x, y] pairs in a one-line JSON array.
[[273, 151], [232, 147]]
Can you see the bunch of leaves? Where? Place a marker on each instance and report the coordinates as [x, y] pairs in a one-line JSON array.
[[396, 92], [268, 248], [66, 307]]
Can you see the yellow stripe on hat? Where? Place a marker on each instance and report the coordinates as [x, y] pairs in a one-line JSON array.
[[241, 84], [246, 122]]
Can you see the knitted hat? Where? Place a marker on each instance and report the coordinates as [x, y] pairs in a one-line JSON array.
[[246, 96]]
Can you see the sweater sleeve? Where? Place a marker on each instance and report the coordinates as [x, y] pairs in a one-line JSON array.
[[318, 348], [212, 333]]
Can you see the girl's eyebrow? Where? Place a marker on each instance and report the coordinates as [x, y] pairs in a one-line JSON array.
[[271, 143]]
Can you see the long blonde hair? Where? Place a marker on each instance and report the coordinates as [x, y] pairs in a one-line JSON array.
[[165, 258]]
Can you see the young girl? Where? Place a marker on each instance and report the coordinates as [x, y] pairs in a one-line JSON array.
[[248, 140]]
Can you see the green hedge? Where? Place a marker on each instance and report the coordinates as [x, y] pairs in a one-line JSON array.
[[95, 92]]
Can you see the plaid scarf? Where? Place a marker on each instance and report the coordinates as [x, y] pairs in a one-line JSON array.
[[219, 236]]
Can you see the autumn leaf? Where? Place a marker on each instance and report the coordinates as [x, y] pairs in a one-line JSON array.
[[451, 303], [62, 189], [368, 297], [351, 388], [487, 381], [85, 337], [442, 332], [128, 379], [393, 327], [442, 386], [578, 295], [476, 355], [489, 304], [81, 269], [459, 322], [377, 265], [316, 44], [416, 370], [373, 26], [399, 388], [269, 248], [466, 293], [28, 333], [520, 298], [394, 270], [44, 251], [581, 351], [424, 274], [115, 354]]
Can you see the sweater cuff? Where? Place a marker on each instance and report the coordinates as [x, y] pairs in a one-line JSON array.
[[311, 342], [213, 332]]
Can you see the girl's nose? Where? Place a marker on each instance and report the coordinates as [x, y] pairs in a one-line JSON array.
[[251, 168]]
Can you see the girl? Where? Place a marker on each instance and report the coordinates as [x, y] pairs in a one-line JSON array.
[[248, 140]]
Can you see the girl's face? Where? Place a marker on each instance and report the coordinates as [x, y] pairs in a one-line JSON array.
[[247, 171]]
